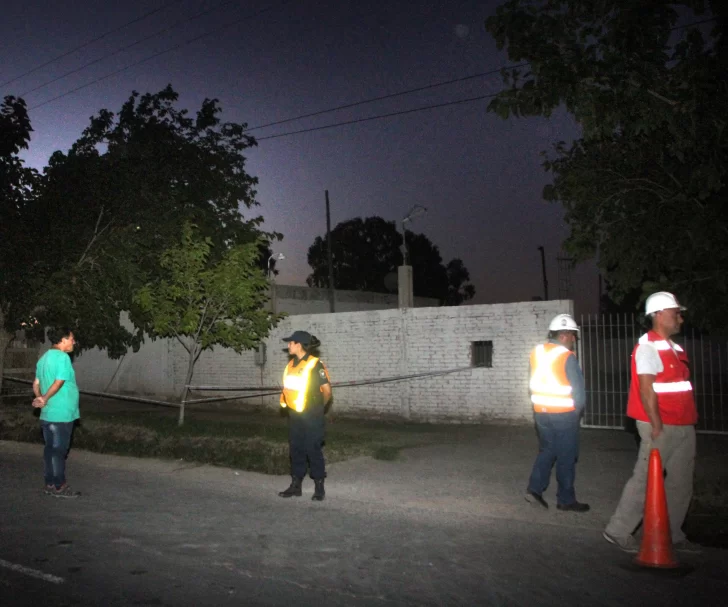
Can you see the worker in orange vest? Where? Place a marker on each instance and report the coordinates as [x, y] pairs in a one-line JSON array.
[[558, 397]]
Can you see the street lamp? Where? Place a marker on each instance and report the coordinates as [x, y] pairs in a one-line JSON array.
[[415, 211], [277, 257]]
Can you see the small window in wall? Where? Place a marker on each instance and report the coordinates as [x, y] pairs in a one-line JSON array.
[[481, 353]]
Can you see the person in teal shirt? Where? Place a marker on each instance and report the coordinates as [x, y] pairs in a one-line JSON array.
[[56, 395]]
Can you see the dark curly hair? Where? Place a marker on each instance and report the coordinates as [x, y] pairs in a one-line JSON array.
[[56, 334]]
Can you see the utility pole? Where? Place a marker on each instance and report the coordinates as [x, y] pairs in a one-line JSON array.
[[332, 295], [543, 271]]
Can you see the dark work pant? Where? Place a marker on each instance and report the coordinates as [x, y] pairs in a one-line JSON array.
[[57, 437], [305, 437], [558, 441]]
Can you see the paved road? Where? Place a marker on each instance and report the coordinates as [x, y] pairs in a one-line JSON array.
[[444, 525]]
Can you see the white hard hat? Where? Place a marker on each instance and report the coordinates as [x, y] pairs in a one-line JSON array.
[[662, 300], [563, 322]]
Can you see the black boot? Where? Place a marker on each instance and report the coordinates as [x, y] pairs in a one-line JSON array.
[[294, 490], [318, 493]]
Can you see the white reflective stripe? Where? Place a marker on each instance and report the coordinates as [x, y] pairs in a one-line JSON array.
[[294, 382], [674, 386], [551, 401], [661, 344], [550, 388]]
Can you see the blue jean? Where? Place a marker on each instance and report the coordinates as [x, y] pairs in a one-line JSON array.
[[558, 438], [57, 437]]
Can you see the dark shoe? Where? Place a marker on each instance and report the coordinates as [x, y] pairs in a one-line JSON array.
[[536, 499], [318, 493], [65, 491], [294, 490], [575, 507]]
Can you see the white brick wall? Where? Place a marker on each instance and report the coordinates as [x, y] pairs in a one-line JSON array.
[[373, 345]]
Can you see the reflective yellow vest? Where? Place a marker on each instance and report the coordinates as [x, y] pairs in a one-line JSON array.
[[550, 389], [295, 384]]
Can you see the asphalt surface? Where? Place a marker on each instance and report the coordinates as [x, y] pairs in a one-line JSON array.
[[442, 525]]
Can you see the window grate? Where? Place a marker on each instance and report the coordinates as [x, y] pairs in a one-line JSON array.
[[481, 354]]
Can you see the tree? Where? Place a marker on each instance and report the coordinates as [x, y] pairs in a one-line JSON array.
[[16, 193], [643, 187], [365, 251], [120, 196], [203, 301]]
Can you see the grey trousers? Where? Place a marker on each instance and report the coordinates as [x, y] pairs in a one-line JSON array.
[[677, 451]]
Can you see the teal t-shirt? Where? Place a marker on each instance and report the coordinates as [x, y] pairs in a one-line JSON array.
[[63, 405]]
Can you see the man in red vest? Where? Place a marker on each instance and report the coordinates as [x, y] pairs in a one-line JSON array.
[[661, 401]]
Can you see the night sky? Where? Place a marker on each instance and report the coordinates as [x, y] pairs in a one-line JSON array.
[[479, 176]]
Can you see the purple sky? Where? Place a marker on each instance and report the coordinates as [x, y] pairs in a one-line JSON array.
[[479, 176]]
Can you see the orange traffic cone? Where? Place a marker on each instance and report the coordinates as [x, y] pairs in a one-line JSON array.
[[656, 549]]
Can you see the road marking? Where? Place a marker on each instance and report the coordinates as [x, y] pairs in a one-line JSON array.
[[46, 577]]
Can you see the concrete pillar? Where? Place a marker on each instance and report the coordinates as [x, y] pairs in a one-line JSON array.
[[404, 282]]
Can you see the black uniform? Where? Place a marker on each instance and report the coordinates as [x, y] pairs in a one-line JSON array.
[[306, 430]]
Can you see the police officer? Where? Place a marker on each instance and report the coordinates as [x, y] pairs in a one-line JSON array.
[[306, 391], [558, 396]]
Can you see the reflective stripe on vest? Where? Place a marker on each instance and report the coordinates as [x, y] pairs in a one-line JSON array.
[[675, 386], [663, 345], [295, 384], [548, 394]]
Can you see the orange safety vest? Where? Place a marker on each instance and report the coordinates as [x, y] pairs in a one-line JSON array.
[[672, 385], [295, 383], [550, 388]]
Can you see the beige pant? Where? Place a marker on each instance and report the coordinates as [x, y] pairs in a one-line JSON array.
[[677, 451]]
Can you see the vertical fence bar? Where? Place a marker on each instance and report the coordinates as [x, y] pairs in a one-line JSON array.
[[611, 370], [703, 384], [712, 385]]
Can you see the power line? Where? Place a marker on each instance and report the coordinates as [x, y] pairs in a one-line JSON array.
[[169, 50], [389, 96], [379, 117], [90, 42], [392, 114], [128, 46]]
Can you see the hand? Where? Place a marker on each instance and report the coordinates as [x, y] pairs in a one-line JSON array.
[[656, 430], [39, 402]]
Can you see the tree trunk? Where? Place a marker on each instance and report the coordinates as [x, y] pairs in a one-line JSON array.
[[5, 339], [188, 379]]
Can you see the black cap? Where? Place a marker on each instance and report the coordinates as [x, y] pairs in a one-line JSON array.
[[300, 337]]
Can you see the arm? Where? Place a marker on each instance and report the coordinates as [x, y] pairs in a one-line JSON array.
[[576, 380], [648, 365], [36, 387], [42, 400], [649, 402], [326, 391]]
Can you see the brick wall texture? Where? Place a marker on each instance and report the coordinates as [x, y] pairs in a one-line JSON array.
[[381, 344]]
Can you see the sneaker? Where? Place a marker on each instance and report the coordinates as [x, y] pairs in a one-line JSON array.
[[627, 544], [49, 489], [688, 546], [575, 507], [536, 499], [65, 491]]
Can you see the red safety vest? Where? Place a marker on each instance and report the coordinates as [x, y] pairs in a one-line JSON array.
[[672, 385], [550, 388]]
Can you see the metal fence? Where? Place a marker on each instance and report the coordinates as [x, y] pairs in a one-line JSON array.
[[20, 359], [605, 349]]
